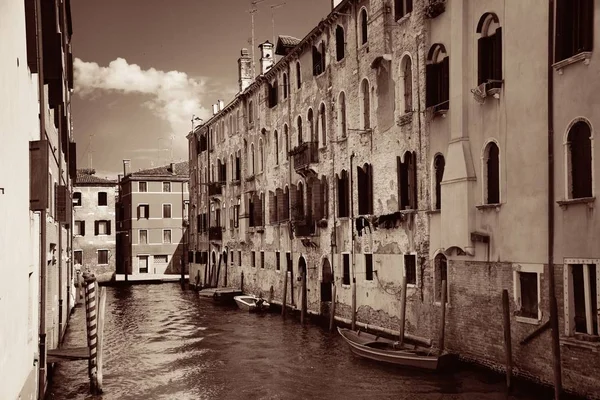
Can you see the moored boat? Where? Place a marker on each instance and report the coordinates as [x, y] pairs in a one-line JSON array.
[[251, 303]]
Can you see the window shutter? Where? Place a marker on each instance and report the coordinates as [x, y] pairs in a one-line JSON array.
[[445, 81], [587, 24], [279, 201], [561, 27], [257, 208], [108, 223], [82, 228], [410, 166], [72, 160], [96, 227], [63, 204], [316, 199], [497, 67], [370, 188], [401, 182], [415, 187], [293, 201], [31, 33], [481, 60], [38, 173], [362, 190], [272, 208], [409, 6], [430, 85]]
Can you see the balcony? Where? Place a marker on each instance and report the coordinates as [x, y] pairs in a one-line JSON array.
[[215, 189], [215, 233], [304, 228], [304, 155]]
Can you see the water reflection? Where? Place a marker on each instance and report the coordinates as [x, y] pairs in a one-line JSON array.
[[165, 343]]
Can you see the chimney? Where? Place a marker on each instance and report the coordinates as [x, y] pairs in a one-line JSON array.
[[244, 70], [172, 168], [221, 105], [215, 109], [126, 167], [266, 56]]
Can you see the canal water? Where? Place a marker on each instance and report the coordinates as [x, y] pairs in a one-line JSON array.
[[162, 342]]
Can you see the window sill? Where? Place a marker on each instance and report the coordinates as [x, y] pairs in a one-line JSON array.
[[438, 303], [409, 211], [579, 342], [584, 57], [564, 204], [494, 206], [434, 212], [403, 18], [528, 320]]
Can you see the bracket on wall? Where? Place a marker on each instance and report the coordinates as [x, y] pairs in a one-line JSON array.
[[480, 237], [309, 243]]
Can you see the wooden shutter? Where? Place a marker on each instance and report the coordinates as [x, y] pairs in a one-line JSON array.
[[412, 184], [445, 81], [586, 13], [108, 230], [272, 208], [293, 201], [63, 204], [72, 160], [316, 199], [280, 207], [31, 34], [38, 179], [82, 228], [362, 190], [409, 6], [561, 30], [257, 210], [369, 176], [481, 60], [96, 228], [497, 67], [430, 85]]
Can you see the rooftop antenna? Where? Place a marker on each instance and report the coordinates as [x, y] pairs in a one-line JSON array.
[[273, 7], [91, 150], [252, 11]]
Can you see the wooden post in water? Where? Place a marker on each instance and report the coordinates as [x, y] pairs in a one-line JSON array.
[[303, 298], [402, 309], [353, 303], [101, 308], [443, 319], [507, 337], [242, 282], [91, 319], [284, 301], [332, 311]]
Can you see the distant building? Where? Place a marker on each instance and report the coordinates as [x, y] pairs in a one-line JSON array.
[[152, 219], [94, 243]]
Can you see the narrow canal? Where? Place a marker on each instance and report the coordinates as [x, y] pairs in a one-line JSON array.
[[163, 342]]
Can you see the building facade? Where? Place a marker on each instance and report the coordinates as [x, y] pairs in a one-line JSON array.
[[38, 160], [94, 225], [152, 219], [417, 139]]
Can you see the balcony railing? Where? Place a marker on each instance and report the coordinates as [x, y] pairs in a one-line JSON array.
[[215, 189], [305, 154], [215, 233]]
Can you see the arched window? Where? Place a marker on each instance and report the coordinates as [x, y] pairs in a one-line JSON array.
[[276, 144], [298, 75], [492, 173], [440, 276], [260, 155], [339, 43], [286, 141], [251, 159], [437, 76], [579, 160], [237, 121], [300, 200], [323, 124], [311, 126], [250, 112], [363, 26], [231, 168], [342, 115], [438, 165], [365, 105], [365, 189], [407, 181], [407, 79], [489, 50], [285, 85], [299, 130]]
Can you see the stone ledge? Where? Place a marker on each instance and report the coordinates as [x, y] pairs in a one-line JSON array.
[[564, 204], [584, 57]]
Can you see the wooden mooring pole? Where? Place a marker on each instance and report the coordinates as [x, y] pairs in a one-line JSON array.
[[242, 282], [284, 300], [443, 319], [101, 308], [91, 319], [507, 337], [303, 298], [332, 311], [402, 309]]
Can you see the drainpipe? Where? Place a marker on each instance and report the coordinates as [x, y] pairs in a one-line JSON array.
[[352, 235], [60, 227], [208, 173], [43, 261], [551, 290], [333, 239], [183, 236]]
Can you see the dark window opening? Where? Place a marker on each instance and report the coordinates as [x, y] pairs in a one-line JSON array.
[[318, 59], [407, 81], [253, 259], [363, 27], [103, 257], [298, 75], [346, 269], [529, 294], [343, 192], [574, 27], [439, 165], [238, 166], [410, 268], [580, 160], [365, 189], [273, 95], [493, 174], [365, 104], [300, 140], [231, 260], [437, 77], [77, 199], [339, 43], [489, 50], [286, 88], [78, 257], [262, 259], [250, 112], [369, 267], [278, 261], [342, 116], [143, 211], [407, 181], [288, 261], [402, 7], [322, 125], [239, 258], [102, 199], [441, 276], [583, 310]]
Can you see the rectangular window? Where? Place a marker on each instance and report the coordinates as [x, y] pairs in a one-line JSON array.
[[79, 228], [144, 211], [102, 199], [278, 261], [581, 293], [288, 260], [253, 259], [528, 294], [143, 236], [574, 28], [166, 186], [167, 236], [369, 267], [410, 269], [143, 264], [102, 257], [78, 257], [102, 228], [161, 259], [231, 261], [77, 199], [262, 259], [166, 211], [346, 270], [402, 7], [143, 186], [239, 258]]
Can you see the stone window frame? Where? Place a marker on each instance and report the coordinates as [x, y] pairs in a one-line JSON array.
[[568, 290], [406, 57], [140, 236], [567, 157], [484, 173], [364, 26], [170, 210], [107, 256], [342, 254], [164, 231], [411, 253], [538, 269]]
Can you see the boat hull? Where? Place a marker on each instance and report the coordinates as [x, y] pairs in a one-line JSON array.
[[248, 303], [372, 347]]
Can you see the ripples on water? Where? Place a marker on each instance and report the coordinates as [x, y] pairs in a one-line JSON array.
[[165, 343]]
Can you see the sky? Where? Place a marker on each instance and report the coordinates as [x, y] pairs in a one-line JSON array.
[[144, 67]]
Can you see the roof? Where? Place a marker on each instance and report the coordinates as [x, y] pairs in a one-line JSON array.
[[180, 170], [87, 177], [285, 44]]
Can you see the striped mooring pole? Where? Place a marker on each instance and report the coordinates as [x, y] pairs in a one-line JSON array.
[[91, 315]]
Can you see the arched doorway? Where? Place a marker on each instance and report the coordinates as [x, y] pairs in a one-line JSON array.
[[326, 281]]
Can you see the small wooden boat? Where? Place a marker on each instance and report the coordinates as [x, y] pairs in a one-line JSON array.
[[251, 303], [380, 349]]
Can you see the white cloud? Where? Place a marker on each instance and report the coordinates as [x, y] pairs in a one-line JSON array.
[[173, 95]]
